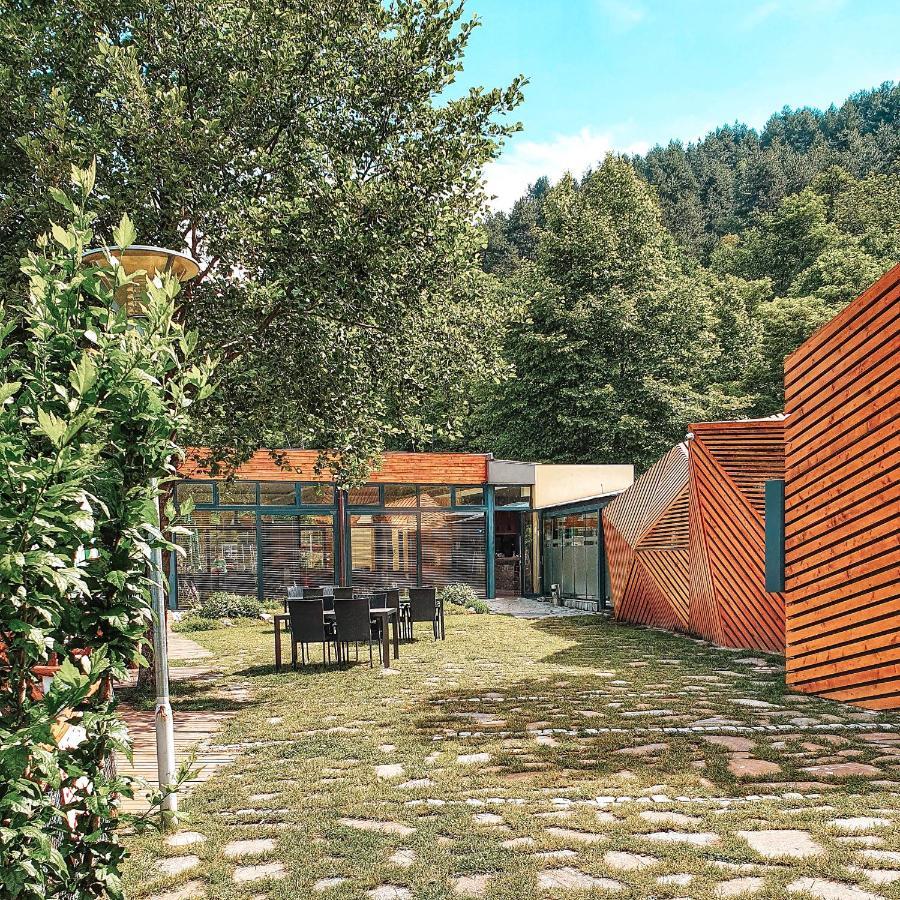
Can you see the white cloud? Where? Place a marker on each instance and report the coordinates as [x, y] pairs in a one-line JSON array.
[[524, 162]]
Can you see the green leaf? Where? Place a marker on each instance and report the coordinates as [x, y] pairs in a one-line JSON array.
[[52, 426], [62, 198], [8, 390], [84, 375], [63, 237], [125, 234]]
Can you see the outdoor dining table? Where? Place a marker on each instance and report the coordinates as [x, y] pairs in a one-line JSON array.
[[384, 613]]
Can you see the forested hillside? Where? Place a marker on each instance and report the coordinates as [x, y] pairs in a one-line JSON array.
[[667, 288]]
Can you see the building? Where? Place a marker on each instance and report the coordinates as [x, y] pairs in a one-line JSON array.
[[502, 527], [686, 543], [842, 504]]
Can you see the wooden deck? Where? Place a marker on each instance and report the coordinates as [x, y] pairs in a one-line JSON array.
[[193, 729]]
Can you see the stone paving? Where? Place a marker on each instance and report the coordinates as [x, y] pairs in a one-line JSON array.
[[557, 758]]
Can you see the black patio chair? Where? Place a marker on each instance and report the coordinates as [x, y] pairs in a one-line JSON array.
[[343, 593], [392, 599], [308, 626], [353, 624], [295, 592], [423, 608]]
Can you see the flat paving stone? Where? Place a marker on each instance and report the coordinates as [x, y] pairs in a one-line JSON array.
[[750, 767], [176, 865], [570, 879], [326, 884], [414, 783], [737, 887], [730, 742], [682, 879], [185, 839], [403, 858], [829, 890], [471, 759], [488, 819], [516, 842], [859, 823], [554, 855], [628, 862], [881, 855], [374, 825], [696, 839], [255, 847], [389, 771], [193, 890], [643, 749], [876, 876], [581, 837], [842, 770], [658, 817], [471, 885], [243, 874], [389, 892], [775, 843]]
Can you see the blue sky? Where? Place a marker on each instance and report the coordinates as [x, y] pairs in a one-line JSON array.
[[626, 74]]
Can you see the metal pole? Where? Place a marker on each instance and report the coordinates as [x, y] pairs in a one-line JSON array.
[[165, 734]]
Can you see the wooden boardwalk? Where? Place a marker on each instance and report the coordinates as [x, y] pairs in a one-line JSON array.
[[193, 729]]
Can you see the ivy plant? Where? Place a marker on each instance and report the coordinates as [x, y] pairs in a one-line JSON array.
[[91, 404]]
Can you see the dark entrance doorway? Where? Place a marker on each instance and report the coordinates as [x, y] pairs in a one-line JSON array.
[[508, 558]]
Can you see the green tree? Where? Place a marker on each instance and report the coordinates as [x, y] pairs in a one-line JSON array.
[[310, 155], [89, 408], [614, 349]]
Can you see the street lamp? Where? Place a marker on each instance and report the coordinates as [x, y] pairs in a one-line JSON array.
[[145, 263]]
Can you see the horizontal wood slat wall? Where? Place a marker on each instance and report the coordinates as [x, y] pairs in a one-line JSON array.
[[396, 468], [686, 543], [842, 504]]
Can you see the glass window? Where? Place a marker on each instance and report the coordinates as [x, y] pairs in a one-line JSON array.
[[453, 549], [277, 493], [383, 550], [470, 496], [367, 495], [317, 494], [220, 554], [510, 494], [434, 495], [237, 493], [199, 492], [296, 551], [400, 495]]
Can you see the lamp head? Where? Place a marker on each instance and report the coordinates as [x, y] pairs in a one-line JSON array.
[[151, 261]]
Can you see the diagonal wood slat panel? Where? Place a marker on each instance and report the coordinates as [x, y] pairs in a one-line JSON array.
[[649, 582], [842, 504], [694, 525]]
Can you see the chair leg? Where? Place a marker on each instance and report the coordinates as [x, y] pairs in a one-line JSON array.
[[370, 653]]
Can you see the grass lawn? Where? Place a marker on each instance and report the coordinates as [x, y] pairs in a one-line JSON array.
[[522, 759]]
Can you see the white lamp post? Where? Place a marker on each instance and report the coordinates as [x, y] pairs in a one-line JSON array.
[[148, 262]]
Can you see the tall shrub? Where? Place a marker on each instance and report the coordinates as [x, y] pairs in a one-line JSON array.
[[91, 404]]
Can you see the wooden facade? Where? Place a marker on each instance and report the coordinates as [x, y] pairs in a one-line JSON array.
[[842, 504], [396, 468], [686, 543]]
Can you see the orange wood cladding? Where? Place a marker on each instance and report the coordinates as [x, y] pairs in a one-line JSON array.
[[396, 468], [842, 504], [685, 543]]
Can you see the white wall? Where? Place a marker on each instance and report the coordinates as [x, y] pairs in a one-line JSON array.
[[556, 484]]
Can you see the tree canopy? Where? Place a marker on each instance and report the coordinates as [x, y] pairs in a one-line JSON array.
[[312, 158], [670, 287]]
